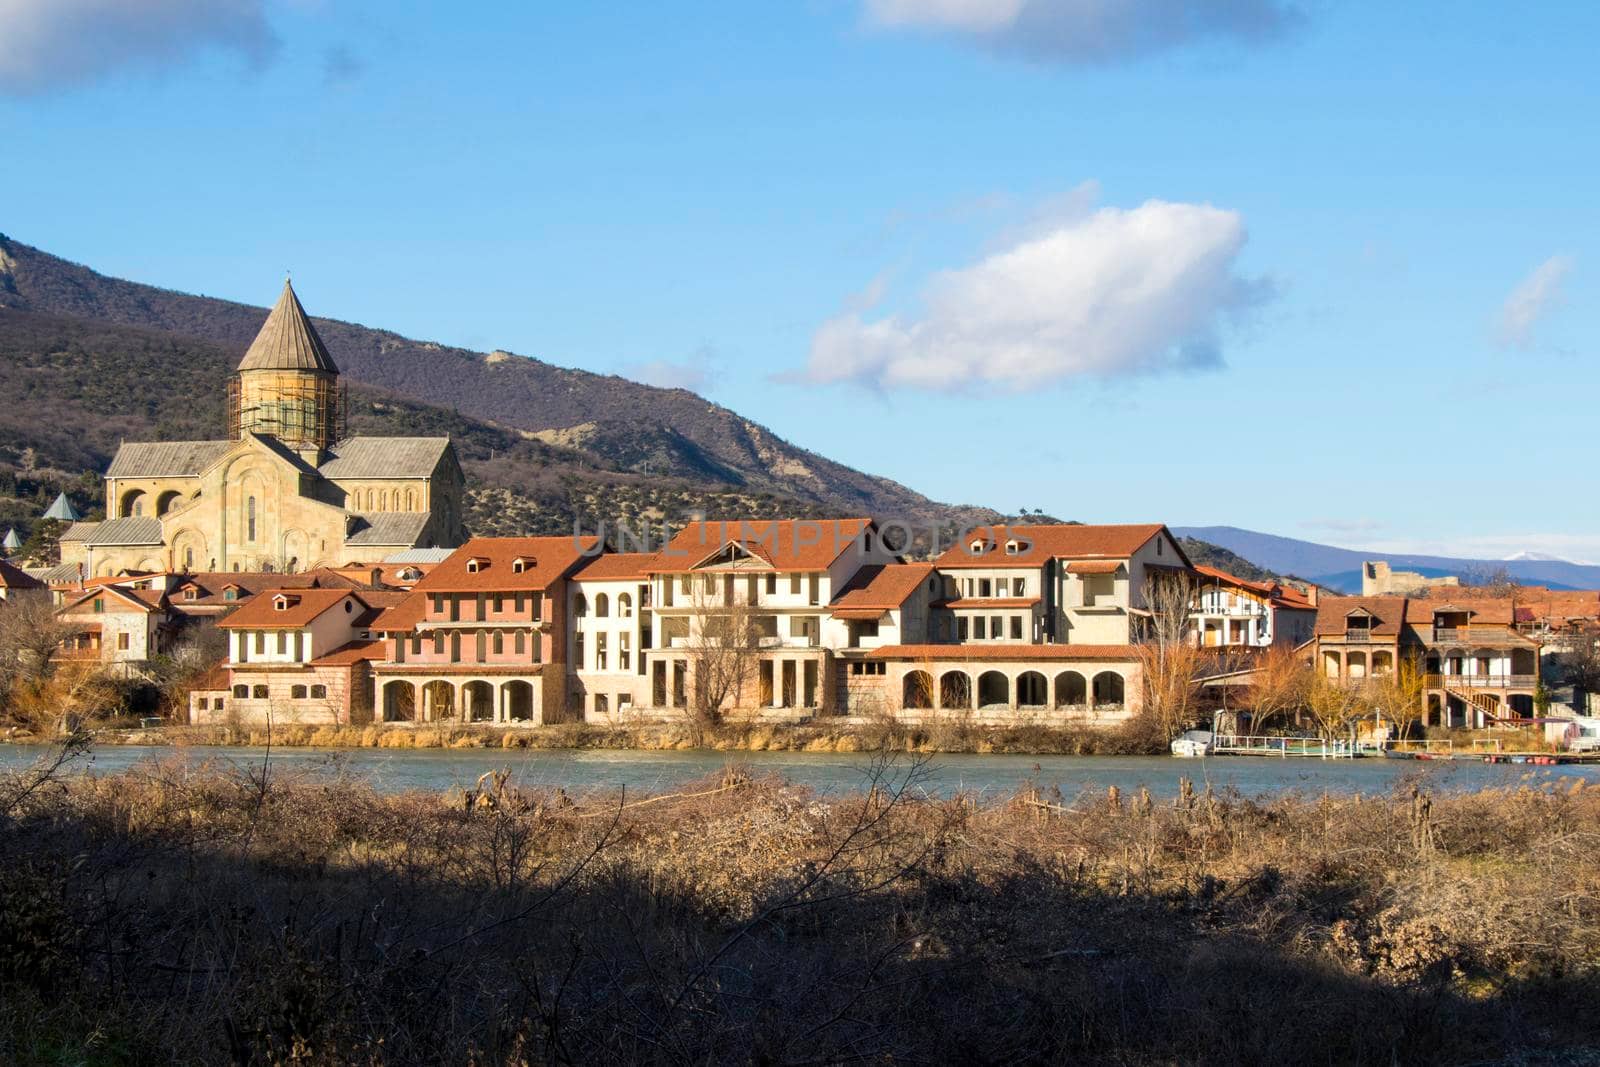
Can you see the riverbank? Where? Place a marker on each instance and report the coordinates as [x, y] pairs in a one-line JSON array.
[[818, 735], [188, 915]]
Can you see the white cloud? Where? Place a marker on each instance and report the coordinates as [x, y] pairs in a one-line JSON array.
[[1534, 297], [45, 44], [1102, 294], [1088, 31]]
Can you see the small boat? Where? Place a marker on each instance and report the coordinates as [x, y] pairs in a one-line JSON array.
[[1395, 753], [1193, 744]]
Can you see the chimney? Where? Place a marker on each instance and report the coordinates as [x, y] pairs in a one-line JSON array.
[[1311, 593], [377, 578]]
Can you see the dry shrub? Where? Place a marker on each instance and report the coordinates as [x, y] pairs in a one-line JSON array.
[[220, 914]]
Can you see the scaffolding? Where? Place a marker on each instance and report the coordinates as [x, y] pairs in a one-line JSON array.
[[298, 408]]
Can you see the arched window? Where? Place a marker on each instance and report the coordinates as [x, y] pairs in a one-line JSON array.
[[188, 558], [297, 692], [624, 606], [259, 692], [319, 692], [411, 500], [250, 519], [602, 606], [241, 692], [580, 605]]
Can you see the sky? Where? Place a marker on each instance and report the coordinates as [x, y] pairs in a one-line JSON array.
[[1322, 269]]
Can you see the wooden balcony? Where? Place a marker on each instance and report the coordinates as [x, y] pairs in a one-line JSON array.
[[1481, 681]]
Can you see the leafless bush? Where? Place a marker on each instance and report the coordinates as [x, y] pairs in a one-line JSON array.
[[205, 915]]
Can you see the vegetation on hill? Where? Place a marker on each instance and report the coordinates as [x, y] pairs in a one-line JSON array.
[[622, 426], [1204, 554], [248, 916]]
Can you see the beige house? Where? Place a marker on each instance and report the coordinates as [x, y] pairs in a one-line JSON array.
[[288, 491]]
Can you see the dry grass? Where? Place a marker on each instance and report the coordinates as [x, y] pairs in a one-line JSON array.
[[185, 915]]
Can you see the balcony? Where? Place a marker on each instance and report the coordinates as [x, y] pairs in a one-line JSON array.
[[1481, 681], [1352, 634]]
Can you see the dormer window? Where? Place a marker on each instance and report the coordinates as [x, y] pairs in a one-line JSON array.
[[284, 603], [1011, 547], [520, 564], [477, 564], [190, 594], [976, 548]]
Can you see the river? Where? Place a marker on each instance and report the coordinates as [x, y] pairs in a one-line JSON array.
[[583, 770]]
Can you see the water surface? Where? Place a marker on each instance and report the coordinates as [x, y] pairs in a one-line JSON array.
[[584, 770]]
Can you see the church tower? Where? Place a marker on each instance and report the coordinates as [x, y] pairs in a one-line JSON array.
[[287, 385]]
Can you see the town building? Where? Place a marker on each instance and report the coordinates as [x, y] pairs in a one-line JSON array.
[[782, 619], [1234, 612], [287, 491], [1478, 668], [1378, 578], [298, 656], [484, 636]]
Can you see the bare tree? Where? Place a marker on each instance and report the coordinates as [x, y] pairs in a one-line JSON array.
[[1278, 686], [1172, 663], [724, 646], [1398, 695], [1333, 705], [1580, 661], [30, 634]]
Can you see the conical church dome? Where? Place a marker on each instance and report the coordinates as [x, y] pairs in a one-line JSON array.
[[288, 341]]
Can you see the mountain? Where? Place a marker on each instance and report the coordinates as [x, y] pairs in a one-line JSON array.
[[622, 425], [1340, 568], [87, 361]]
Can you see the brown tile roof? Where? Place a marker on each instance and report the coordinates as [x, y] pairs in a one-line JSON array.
[[214, 680], [1484, 611], [1039, 543], [967, 603], [785, 544], [13, 577], [287, 340], [403, 616], [261, 612], [880, 587], [546, 560], [129, 598], [354, 652], [1095, 566], [616, 567], [1019, 653], [1389, 614]]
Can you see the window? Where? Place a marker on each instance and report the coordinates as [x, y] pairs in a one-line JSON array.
[[250, 519], [970, 587], [261, 642], [979, 628], [815, 596], [438, 643], [1016, 627], [1158, 546], [474, 565], [241, 692], [123, 641], [602, 704], [624, 660], [624, 606], [283, 643], [1019, 587], [217, 704], [602, 606], [984, 588], [683, 585], [1011, 548], [794, 585], [997, 626], [319, 692], [961, 628], [519, 565], [190, 594], [230, 594], [499, 603], [188, 559], [709, 584], [499, 642], [99, 603], [600, 652], [522, 642], [297, 692], [580, 605], [259, 692], [455, 647], [772, 585]]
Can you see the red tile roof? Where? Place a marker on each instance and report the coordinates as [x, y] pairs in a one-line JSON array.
[[403, 616], [129, 599], [1039, 543], [1284, 596], [976, 602], [616, 567], [1388, 612], [1095, 566], [880, 587], [1019, 653], [545, 559], [262, 613], [784, 544], [354, 652]]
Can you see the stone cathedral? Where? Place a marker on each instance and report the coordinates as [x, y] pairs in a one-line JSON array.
[[287, 491]]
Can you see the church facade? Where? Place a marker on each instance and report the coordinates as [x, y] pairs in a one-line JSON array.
[[287, 491]]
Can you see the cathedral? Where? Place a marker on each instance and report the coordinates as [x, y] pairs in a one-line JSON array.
[[287, 491]]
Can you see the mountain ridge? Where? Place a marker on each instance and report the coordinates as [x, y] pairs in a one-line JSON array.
[[1340, 568], [633, 427]]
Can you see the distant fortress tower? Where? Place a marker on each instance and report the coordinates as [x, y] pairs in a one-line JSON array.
[[287, 385]]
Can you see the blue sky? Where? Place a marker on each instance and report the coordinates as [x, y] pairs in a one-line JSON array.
[[1321, 269]]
